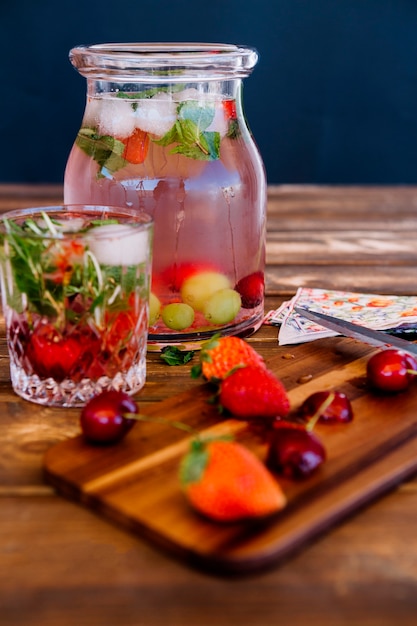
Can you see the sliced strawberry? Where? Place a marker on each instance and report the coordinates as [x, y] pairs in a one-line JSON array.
[[251, 289], [120, 327], [137, 145], [229, 107], [65, 254]]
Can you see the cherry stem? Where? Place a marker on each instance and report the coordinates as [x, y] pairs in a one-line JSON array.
[[322, 409], [161, 420]]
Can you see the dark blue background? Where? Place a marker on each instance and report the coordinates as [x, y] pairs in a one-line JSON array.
[[332, 100]]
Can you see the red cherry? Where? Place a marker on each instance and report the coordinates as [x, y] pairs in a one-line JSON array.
[[327, 406], [102, 419], [294, 451], [391, 370], [251, 289]]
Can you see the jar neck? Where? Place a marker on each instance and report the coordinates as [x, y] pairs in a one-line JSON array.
[[217, 89]]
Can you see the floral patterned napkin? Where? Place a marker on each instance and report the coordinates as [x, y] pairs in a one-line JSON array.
[[371, 310]]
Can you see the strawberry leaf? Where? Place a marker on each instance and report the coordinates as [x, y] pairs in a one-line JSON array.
[[196, 371], [194, 463]]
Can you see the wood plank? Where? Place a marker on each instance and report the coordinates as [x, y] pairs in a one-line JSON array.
[[24, 196], [351, 248], [284, 280], [61, 564], [352, 199]]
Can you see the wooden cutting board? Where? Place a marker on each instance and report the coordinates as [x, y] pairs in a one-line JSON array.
[[135, 483]]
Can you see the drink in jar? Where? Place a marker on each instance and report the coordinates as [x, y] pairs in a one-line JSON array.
[[183, 154]]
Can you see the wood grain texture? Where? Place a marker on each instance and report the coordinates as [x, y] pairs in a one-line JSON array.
[[62, 564], [341, 238], [136, 483]]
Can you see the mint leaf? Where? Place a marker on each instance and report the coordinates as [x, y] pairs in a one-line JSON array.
[[174, 356], [212, 139], [201, 116], [187, 131], [191, 152], [151, 92], [190, 135], [104, 149], [170, 137], [233, 131], [104, 222], [112, 163]]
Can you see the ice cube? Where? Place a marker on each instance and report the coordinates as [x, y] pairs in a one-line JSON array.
[[72, 225], [195, 94], [188, 94], [116, 118], [119, 244], [156, 115], [219, 123], [92, 112]]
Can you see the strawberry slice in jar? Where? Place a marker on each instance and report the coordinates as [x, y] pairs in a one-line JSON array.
[[137, 145]]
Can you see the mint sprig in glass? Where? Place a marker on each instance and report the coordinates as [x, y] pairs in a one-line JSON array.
[[75, 293]]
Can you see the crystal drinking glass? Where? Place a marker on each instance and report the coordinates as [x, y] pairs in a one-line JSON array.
[[75, 283]]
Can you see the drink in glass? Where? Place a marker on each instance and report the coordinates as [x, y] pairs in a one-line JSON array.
[[75, 292]]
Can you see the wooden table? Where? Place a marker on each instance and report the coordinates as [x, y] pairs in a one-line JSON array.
[[62, 564]]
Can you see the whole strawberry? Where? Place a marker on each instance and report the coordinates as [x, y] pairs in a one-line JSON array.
[[226, 482], [219, 355], [252, 391]]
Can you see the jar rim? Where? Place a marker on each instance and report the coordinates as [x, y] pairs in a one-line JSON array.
[[163, 61]]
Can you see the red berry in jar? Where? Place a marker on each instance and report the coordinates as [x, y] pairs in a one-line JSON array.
[[294, 451], [174, 275], [251, 289], [327, 406], [103, 417], [391, 370]]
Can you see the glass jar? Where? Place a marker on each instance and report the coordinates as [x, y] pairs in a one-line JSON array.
[[164, 132]]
